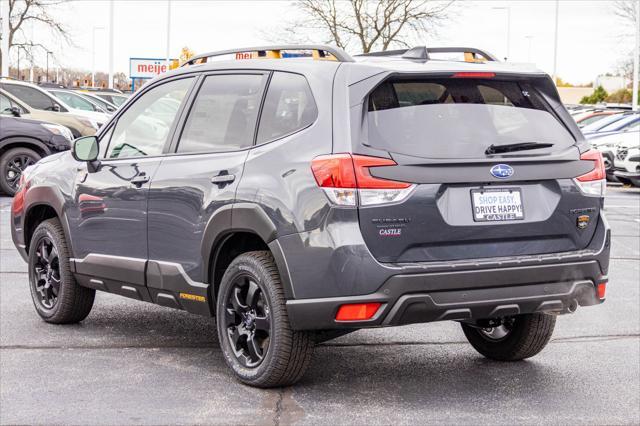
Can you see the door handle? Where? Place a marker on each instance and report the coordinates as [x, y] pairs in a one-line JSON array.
[[140, 180], [222, 179]]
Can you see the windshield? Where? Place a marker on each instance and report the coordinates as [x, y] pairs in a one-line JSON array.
[[460, 118]]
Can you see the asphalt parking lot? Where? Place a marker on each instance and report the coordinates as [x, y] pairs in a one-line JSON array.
[[136, 363]]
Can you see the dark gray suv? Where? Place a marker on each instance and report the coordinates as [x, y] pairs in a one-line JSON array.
[[296, 194]]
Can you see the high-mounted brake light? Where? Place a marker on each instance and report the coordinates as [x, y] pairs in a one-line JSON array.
[[347, 178], [357, 311], [593, 183], [474, 75]]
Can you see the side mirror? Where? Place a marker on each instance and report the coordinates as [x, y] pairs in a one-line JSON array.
[[86, 149], [55, 108], [15, 111]]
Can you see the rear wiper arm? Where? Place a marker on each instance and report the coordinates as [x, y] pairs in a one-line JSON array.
[[522, 146]]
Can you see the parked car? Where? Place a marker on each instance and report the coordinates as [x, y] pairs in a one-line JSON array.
[[608, 146], [37, 98], [590, 117], [621, 122], [297, 200], [108, 107], [23, 142], [116, 99], [77, 101], [79, 126], [626, 163]]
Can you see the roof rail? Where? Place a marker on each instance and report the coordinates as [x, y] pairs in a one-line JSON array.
[[319, 49], [471, 53]]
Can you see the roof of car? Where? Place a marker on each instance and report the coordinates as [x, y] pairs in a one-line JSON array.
[[416, 60], [362, 66]]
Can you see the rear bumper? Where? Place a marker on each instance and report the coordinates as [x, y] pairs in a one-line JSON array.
[[471, 294]]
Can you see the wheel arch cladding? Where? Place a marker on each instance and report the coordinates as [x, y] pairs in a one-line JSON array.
[[42, 203], [24, 142], [237, 229]]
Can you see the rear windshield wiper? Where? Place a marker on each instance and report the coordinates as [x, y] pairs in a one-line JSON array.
[[522, 146]]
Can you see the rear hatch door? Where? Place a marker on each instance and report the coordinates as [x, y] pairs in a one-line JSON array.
[[491, 166]]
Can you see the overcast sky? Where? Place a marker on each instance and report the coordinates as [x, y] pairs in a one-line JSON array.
[[590, 36]]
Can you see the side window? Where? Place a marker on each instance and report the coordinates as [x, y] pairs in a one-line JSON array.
[[143, 128], [74, 101], [288, 107], [224, 113], [30, 96]]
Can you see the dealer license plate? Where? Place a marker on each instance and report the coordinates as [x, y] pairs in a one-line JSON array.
[[495, 205]]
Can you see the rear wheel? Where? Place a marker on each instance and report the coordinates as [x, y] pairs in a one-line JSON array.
[[56, 295], [511, 338], [253, 327], [12, 164]]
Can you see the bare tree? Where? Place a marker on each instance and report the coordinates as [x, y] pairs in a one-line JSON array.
[[626, 11], [370, 24], [37, 12]]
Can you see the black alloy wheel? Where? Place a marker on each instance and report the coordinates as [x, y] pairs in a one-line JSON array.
[[46, 273], [247, 321], [56, 295], [12, 164]]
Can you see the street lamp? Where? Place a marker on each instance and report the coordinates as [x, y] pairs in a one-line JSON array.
[[93, 56], [508, 9]]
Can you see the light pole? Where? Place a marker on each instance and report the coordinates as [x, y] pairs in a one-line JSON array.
[[508, 9], [111, 29], [555, 46], [47, 76], [168, 32], [93, 56], [636, 60], [19, 62], [529, 38], [4, 42]]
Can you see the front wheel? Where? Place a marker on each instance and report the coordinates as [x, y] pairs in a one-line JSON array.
[[511, 338], [56, 295], [12, 164], [256, 339]]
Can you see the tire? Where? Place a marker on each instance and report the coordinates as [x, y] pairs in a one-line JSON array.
[[251, 314], [12, 163], [526, 335], [56, 295]]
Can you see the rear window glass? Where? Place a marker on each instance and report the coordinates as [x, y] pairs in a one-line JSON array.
[[460, 118]]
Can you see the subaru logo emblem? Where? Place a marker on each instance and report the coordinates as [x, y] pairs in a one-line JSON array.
[[502, 171]]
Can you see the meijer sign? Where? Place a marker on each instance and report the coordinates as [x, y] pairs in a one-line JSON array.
[[146, 67]]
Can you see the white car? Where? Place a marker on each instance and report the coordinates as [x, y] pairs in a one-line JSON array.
[[608, 144], [37, 98], [626, 161]]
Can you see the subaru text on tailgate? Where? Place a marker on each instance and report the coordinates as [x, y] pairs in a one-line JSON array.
[[299, 199]]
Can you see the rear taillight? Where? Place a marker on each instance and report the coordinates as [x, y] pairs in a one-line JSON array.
[[594, 182], [346, 179]]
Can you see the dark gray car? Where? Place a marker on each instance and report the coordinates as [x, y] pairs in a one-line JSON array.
[[299, 199]]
